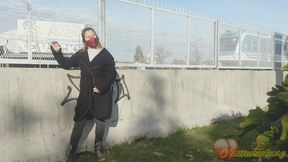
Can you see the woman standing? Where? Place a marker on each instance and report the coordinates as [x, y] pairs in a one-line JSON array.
[[94, 102]]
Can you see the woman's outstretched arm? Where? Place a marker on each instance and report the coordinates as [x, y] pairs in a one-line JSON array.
[[65, 62]]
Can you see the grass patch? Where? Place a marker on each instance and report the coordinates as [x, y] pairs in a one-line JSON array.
[[178, 146]]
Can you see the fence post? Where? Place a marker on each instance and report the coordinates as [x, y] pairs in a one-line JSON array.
[[152, 35], [258, 49], [188, 39], [242, 31], [273, 52], [216, 44]]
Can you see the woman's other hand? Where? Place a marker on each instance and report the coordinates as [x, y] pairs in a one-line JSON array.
[[95, 90]]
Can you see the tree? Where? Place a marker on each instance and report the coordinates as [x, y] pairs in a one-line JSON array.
[[195, 53], [139, 56], [160, 55]]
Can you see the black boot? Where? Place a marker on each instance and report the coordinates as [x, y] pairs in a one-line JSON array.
[[98, 150], [69, 157]]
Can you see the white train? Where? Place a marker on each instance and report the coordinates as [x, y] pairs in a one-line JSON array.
[[248, 49]]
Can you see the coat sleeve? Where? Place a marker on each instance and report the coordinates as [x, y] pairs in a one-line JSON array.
[[104, 83], [65, 62]]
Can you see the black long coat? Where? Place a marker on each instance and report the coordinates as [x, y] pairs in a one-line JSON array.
[[100, 73]]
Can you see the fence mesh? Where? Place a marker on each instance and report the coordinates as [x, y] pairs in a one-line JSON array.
[[137, 34]]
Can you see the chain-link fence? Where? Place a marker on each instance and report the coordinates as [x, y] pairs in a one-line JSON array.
[[137, 33], [28, 26]]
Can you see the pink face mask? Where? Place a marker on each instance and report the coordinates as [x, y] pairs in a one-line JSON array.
[[92, 42]]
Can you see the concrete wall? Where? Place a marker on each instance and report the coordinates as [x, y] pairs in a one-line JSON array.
[[35, 127]]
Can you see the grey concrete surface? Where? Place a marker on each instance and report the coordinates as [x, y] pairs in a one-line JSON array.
[[35, 127]]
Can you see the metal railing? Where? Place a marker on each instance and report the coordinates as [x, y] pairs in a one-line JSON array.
[[137, 33]]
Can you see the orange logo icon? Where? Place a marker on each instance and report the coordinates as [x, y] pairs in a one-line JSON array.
[[225, 149]]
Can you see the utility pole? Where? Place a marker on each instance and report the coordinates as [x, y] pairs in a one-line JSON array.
[[29, 29], [102, 22]]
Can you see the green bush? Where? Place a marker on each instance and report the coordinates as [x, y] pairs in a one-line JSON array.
[[272, 124]]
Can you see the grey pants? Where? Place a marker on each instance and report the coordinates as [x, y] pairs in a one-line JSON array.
[[78, 131]]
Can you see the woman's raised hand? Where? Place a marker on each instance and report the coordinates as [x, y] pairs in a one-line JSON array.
[[56, 46]]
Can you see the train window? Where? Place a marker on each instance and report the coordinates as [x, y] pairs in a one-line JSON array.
[[286, 46], [228, 44], [278, 47], [265, 45], [250, 44]]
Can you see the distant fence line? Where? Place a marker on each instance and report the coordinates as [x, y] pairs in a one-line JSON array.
[[138, 34]]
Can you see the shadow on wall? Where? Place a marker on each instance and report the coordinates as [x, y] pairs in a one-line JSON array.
[[154, 116], [19, 120], [25, 135]]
